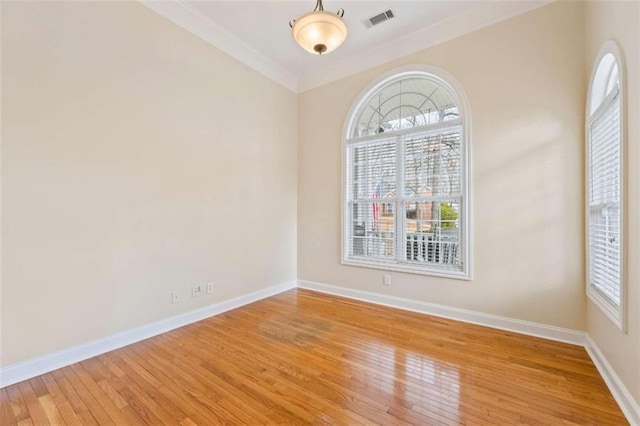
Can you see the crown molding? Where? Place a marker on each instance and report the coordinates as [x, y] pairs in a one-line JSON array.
[[484, 15], [203, 27]]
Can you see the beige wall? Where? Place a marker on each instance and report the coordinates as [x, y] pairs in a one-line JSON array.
[[525, 81], [619, 21], [136, 159]]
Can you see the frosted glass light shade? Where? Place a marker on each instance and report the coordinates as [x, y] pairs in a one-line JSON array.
[[319, 32]]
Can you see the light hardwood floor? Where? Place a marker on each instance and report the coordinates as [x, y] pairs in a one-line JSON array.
[[303, 357]]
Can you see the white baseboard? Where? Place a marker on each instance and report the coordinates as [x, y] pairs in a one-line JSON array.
[[550, 332], [25, 370], [623, 397], [34, 367]]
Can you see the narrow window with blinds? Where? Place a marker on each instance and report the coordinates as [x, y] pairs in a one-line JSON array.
[[605, 189], [405, 172]]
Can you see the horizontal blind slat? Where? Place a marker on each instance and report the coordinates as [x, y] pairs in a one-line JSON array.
[[604, 201]]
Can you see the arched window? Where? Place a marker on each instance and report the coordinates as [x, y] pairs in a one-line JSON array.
[[406, 195], [605, 184]]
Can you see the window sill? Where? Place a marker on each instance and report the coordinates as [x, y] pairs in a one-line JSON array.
[[456, 275], [614, 313]]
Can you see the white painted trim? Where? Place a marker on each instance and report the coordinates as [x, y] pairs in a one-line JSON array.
[[623, 397], [180, 13], [483, 15], [34, 367], [406, 268], [549, 332]]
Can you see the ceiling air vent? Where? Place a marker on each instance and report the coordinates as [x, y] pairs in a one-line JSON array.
[[379, 18]]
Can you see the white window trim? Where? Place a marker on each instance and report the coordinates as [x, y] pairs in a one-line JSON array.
[[466, 223], [617, 315]]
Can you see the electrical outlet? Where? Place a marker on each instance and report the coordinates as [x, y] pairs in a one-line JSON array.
[[386, 280], [209, 288], [175, 297], [197, 290]]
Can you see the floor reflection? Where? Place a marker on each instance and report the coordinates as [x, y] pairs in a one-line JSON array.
[[439, 390], [416, 382]]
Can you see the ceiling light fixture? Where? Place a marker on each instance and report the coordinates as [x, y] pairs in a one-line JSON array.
[[319, 32]]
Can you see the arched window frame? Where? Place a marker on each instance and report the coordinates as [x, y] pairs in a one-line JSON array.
[[461, 100], [597, 100]]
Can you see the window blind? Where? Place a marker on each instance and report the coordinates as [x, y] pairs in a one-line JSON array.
[[410, 186], [371, 191], [605, 200], [433, 197]]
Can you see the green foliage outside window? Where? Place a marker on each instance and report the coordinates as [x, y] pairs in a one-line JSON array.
[[448, 215]]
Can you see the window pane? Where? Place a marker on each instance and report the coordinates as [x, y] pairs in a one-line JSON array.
[[605, 155], [373, 170], [607, 75], [433, 234], [604, 202], [432, 165], [404, 104], [605, 251], [372, 230]]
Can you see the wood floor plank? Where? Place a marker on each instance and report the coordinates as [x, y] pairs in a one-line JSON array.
[[118, 416], [333, 393], [39, 389], [303, 357], [230, 384], [36, 413], [248, 363], [131, 365], [311, 361], [8, 415], [138, 389], [92, 405], [202, 389], [50, 410], [71, 395], [60, 401], [17, 404]]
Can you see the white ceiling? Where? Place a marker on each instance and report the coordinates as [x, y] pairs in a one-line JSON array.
[[258, 34], [265, 25]]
